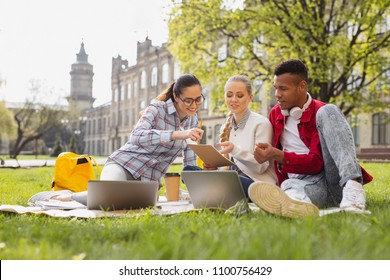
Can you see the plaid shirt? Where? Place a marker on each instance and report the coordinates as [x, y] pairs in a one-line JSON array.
[[150, 151]]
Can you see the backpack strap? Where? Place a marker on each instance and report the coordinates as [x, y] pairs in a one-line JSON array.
[[93, 160]]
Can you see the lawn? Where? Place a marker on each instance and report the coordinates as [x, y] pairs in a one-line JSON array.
[[206, 235]]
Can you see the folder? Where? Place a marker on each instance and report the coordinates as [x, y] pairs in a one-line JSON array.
[[210, 155]]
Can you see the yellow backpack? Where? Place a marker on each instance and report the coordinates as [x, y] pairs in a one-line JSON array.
[[72, 172]]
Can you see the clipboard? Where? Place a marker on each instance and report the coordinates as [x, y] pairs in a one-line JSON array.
[[210, 155]]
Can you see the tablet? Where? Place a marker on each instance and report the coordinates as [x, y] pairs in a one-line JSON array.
[[210, 155]]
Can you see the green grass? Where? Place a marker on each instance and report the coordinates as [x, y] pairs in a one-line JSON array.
[[206, 235]]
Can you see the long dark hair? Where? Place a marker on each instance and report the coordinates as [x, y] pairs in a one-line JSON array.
[[177, 87]]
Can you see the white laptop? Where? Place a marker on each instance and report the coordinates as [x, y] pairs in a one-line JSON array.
[[213, 188], [121, 195]]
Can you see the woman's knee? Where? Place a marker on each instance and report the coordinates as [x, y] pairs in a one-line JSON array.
[[113, 172]]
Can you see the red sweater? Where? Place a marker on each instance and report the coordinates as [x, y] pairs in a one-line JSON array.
[[311, 163]]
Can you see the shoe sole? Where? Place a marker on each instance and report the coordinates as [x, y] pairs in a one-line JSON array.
[[274, 200]]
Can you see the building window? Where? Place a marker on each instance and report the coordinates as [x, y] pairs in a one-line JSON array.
[[127, 117], [99, 125], [134, 116], [165, 69], [143, 80], [99, 152], [257, 85], [129, 90], [222, 55], [257, 46], [120, 117], [217, 131], [135, 88], [176, 71], [122, 93], [354, 124], [93, 126], [115, 97], [153, 78], [112, 144], [380, 129], [113, 119]]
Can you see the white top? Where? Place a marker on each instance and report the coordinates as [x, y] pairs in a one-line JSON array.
[[290, 140], [257, 129]]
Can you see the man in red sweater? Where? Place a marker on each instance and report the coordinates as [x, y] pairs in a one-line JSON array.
[[313, 152]]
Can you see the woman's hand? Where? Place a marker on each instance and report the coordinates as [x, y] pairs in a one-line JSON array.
[[209, 167], [227, 147], [195, 134]]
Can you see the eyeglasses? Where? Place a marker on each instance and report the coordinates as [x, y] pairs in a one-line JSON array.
[[189, 101]]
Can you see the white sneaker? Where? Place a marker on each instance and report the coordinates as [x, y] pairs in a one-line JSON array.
[[274, 200], [354, 197]]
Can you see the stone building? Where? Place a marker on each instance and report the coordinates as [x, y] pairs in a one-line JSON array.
[[133, 88]]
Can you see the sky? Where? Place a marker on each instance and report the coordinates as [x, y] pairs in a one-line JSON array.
[[39, 40]]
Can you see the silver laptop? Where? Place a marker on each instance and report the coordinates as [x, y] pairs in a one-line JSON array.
[[213, 189], [121, 195]]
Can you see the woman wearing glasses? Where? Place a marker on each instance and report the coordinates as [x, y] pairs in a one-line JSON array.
[[158, 137]]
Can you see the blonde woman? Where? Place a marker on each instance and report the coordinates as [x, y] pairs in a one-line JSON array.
[[242, 130]]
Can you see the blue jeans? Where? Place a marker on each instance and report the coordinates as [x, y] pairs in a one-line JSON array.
[[245, 181], [340, 163]]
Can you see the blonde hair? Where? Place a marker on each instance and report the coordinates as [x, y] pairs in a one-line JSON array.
[[240, 78], [225, 130]]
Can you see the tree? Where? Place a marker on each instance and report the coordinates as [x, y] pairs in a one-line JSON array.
[[7, 125], [345, 44], [34, 120], [73, 145], [57, 149]]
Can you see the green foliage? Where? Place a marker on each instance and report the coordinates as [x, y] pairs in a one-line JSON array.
[[7, 124], [343, 43], [196, 235]]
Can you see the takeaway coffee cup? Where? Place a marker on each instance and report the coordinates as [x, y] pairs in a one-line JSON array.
[[172, 186]]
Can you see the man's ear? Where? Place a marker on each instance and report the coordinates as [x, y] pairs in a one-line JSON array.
[[303, 86]]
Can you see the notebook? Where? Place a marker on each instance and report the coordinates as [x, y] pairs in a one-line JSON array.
[[210, 155], [213, 188], [121, 195]]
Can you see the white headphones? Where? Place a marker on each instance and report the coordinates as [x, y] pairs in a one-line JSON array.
[[297, 112]]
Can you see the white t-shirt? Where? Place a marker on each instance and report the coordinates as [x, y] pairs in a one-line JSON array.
[[291, 142]]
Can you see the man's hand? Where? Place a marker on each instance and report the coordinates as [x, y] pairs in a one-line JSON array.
[[263, 152]]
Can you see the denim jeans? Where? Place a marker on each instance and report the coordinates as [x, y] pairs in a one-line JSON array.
[[340, 163], [245, 181]]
